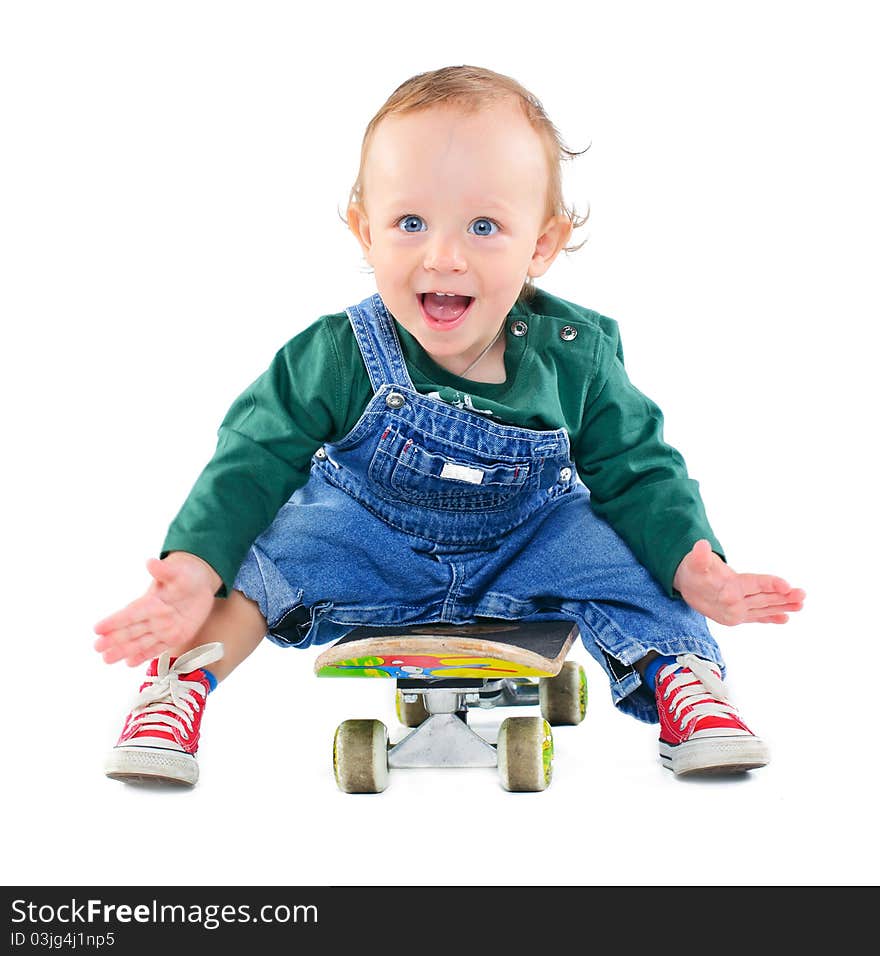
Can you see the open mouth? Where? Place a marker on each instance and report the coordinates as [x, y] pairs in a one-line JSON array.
[[444, 311]]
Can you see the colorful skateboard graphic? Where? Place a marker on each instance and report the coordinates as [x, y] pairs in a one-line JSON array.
[[429, 665], [490, 649]]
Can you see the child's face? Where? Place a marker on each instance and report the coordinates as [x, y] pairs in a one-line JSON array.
[[456, 203]]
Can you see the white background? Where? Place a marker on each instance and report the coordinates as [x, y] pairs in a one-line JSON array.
[[172, 175]]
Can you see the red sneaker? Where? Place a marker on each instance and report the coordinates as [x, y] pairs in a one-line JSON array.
[[700, 730], [161, 734]]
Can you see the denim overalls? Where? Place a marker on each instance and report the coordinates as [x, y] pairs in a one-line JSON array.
[[425, 512]]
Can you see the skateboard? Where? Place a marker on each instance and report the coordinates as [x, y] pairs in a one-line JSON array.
[[442, 670]]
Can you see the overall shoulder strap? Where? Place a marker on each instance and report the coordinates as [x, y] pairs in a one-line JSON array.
[[379, 343]]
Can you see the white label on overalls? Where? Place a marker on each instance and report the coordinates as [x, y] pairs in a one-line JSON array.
[[462, 473]]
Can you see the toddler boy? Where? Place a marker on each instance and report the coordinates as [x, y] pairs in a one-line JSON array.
[[458, 445]]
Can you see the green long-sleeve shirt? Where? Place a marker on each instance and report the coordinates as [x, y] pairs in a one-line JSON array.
[[316, 388]]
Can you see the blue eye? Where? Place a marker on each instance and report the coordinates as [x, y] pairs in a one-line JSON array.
[[484, 227], [408, 221]]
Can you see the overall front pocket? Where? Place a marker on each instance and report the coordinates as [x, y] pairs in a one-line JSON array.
[[406, 467]]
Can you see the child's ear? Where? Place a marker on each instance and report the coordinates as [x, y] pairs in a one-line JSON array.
[[555, 234], [360, 226]]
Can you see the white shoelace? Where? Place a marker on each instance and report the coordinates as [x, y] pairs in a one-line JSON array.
[[702, 689], [169, 701]]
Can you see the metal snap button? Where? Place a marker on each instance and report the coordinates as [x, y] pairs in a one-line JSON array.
[[564, 474], [395, 400], [519, 328], [567, 333], [321, 454]]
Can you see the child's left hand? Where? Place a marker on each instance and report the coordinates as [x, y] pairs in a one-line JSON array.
[[720, 593]]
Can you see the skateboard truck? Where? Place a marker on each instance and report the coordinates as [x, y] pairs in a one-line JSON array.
[[441, 672]]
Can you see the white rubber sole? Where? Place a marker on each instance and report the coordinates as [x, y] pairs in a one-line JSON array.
[[718, 755], [151, 764]]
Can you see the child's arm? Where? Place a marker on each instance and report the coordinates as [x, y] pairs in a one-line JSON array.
[[167, 616], [265, 448], [717, 591], [264, 452]]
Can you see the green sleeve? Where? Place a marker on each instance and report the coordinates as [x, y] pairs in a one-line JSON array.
[[264, 449], [638, 483]]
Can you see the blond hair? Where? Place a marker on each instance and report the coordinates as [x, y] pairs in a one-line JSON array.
[[470, 88]]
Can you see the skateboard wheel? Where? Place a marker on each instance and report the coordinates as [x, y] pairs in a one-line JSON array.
[[563, 698], [360, 756], [525, 753], [410, 715]]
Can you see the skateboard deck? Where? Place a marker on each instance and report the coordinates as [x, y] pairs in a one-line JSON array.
[[491, 649]]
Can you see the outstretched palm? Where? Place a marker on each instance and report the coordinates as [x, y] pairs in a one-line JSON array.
[[167, 616], [717, 591]]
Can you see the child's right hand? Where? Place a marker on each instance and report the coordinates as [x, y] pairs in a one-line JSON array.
[[167, 616]]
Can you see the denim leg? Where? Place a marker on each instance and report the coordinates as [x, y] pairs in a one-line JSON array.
[[570, 563], [326, 565]]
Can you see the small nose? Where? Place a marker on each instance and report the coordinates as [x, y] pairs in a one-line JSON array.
[[444, 255]]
